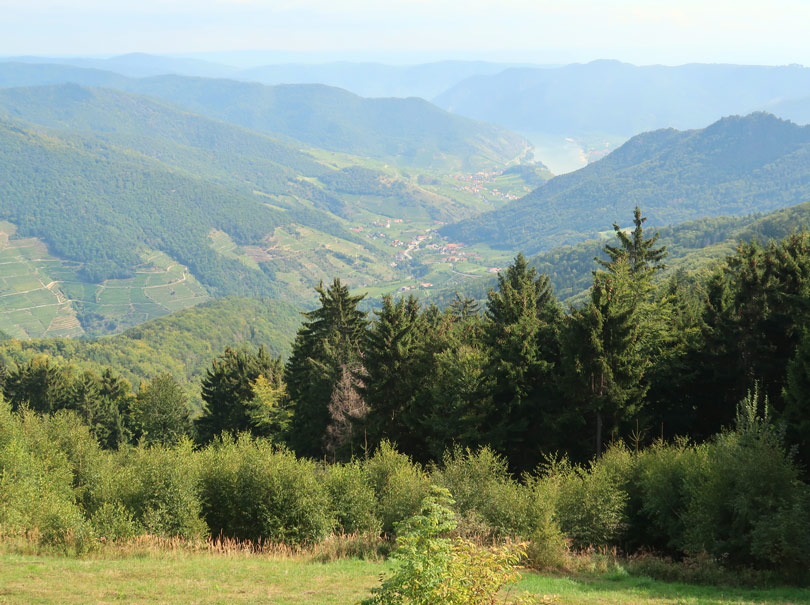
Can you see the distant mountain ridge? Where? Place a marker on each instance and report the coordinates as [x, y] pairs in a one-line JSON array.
[[411, 131], [364, 78], [621, 99], [736, 166]]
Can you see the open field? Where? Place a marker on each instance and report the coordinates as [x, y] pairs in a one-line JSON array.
[[241, 578], [44, 296]]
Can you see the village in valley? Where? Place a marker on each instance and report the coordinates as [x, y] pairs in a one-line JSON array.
[[427, 258]]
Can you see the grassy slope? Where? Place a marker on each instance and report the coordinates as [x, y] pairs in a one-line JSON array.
[[239, 578]]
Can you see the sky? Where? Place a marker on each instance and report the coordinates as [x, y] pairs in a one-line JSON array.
[[543, 31]]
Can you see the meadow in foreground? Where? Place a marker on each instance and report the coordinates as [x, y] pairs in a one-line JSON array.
[[221, 578]]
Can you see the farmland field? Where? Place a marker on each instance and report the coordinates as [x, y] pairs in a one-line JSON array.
[[44, 296]]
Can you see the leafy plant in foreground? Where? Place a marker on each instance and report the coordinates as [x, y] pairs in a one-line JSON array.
[[434, 569]]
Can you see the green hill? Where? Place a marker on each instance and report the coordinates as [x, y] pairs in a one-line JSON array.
[[183, 343], [121, 208], [693, 245], [736, 166], [407, 131]]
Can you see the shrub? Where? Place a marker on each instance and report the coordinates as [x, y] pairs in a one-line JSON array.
[[160, 490], [37, 497], [590, 503], [748, 505], [399, 486], [664, 473], [112, 521], [351, 498], [485, 491], [253, 491], [432, 569], [547, 546]]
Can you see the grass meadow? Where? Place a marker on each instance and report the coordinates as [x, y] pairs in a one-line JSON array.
[[155, 574]]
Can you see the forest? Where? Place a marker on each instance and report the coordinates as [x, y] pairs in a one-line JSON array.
[[663, 414]]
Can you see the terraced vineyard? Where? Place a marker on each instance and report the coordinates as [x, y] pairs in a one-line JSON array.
[[42, 296]]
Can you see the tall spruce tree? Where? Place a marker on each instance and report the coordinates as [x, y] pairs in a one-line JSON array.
[[602, 353], [640, 251], [393, 372], [611, 341], [522, 334], [757, 307], [330, 339]]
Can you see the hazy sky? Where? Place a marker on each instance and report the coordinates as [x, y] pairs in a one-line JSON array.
[[639, 31]]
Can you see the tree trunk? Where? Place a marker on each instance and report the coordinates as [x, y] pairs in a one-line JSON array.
[[599, 433]]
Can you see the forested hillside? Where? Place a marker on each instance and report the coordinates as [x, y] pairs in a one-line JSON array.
[[738, 165], [181, 344], [668, 408], [694, 246], [101, 205], [407, 131]]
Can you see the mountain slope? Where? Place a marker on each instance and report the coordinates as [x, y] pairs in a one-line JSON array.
[[693, 245], [375, 79], [738, 165], [139, 65], [408, 131], [183, 344], [100, 206], [621, 99]]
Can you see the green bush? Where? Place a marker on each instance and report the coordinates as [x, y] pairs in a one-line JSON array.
[[431, 568], [590, 503], [484, 490], [37, 497], [747, 504], [547, 544], [399, 486], [664, 473], [253, 491], [351, 498], [112, 521], [158, 485]]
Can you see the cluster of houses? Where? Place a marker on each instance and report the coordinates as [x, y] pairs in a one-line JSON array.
[[424, 284], [477, 185]]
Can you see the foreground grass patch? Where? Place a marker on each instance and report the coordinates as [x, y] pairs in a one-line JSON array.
[[242, 578], [630, 590], [183, 579]]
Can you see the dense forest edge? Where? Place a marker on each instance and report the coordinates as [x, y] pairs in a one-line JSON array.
[[666, 414]]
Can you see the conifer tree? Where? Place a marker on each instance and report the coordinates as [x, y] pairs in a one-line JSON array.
[[602, 353], [393, 372], [522, 334], [227, 390], [330, 338], [611, 341], [39, 384], [640, 251], [796, 395]]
